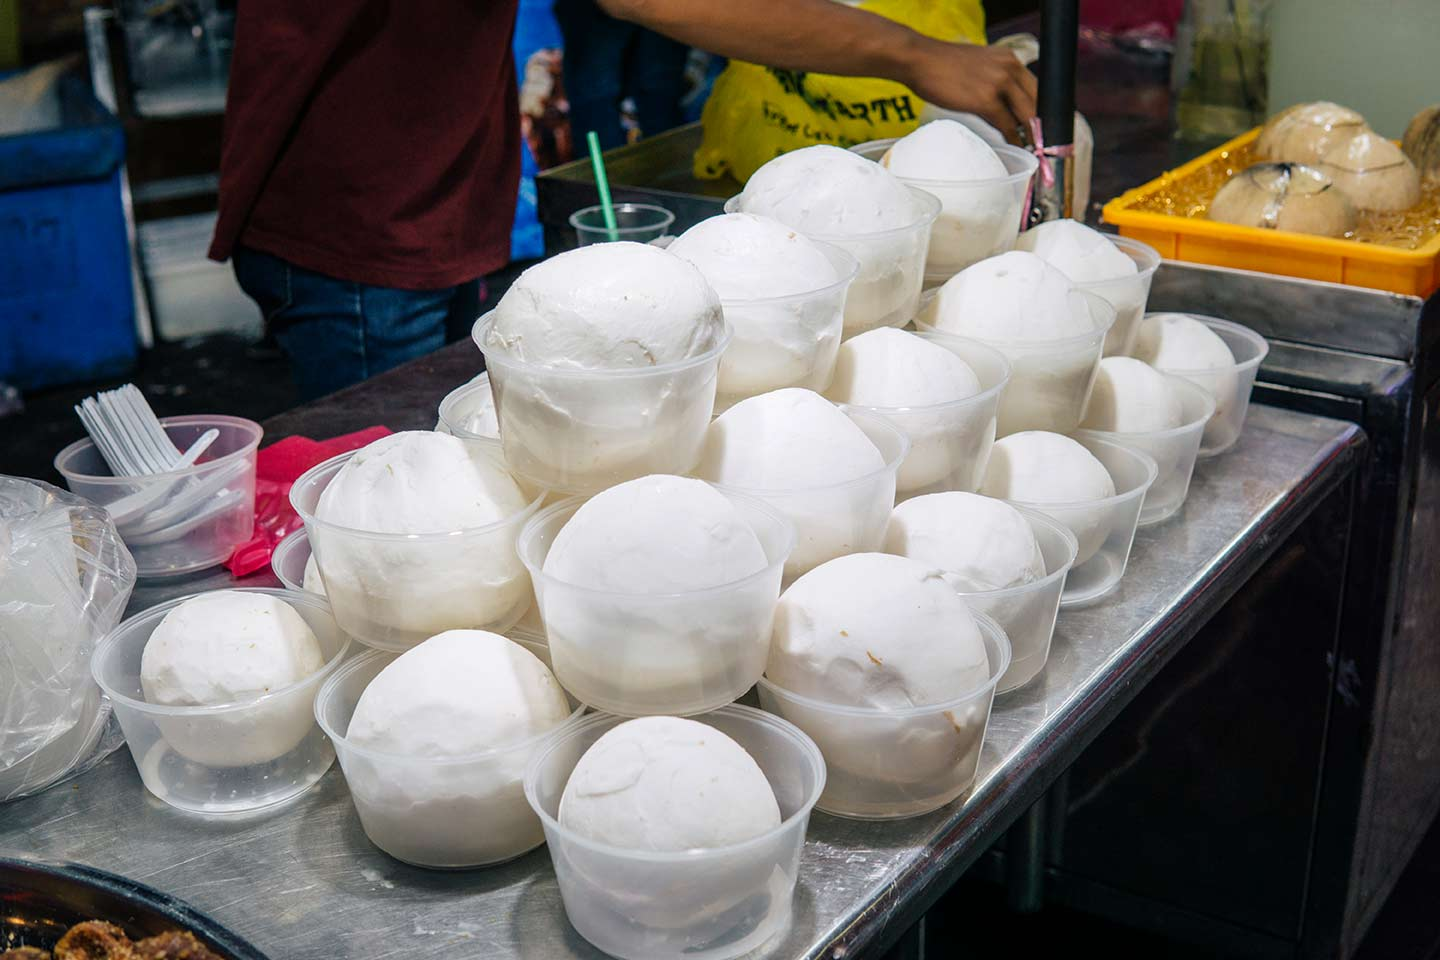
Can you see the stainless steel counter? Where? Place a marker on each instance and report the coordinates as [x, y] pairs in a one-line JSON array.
[[304, 884]]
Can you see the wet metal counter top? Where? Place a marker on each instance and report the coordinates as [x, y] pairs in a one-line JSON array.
[[303, 883]]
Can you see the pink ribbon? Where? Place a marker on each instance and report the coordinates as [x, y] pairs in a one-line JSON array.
[[1044, 153]]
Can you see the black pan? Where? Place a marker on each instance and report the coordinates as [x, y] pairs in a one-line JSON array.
[[39, 901]]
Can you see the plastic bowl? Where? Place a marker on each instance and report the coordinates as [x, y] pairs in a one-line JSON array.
[[886, 291], [709, 904], [845, 517], [889, 764], [583, 431], [460, 408], [950, 442], [1027, 613], [182, 520], [1230, 386], [448, 814], [636, 222], [392, 590], [1174, 451], [978, 218], [641, 654], [1103, 529], [788, 341], [1050, 380], [230, 758], [290, 560], [1127, 295]]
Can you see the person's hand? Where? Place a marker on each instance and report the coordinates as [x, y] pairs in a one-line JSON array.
[[990, 81]]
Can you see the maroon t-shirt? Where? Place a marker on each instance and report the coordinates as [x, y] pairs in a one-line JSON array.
[[376, 141]]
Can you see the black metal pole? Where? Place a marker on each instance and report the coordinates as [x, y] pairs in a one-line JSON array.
[[1059, 36]]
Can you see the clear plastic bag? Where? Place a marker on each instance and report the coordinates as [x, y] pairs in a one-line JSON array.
[[65, 577]]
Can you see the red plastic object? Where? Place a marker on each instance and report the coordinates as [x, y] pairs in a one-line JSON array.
[[277, 467]]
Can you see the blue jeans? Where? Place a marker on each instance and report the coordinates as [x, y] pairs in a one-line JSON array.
[[337, 332], [607, 60]]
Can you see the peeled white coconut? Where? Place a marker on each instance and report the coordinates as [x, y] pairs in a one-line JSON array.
[[1130, 396], [979, 543], [1057, 476]]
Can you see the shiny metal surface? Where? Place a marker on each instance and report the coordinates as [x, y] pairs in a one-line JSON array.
[[304, 884]]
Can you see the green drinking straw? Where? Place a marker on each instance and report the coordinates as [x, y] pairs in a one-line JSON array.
[[602, 183]]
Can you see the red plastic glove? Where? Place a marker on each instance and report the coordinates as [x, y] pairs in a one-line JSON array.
[[277, 467]]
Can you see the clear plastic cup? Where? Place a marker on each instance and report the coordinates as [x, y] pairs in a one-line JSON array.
[[1027, 613], [789, 341], [1103, 529], [179, 521], [892, 267], [708, 904], [1174, 451], [450, 814], [950, 442], [1127, 295], [890, 764], [468, 411], [393, 590], [642, 654], [978, 218], [1050, 380], [848, 516], [636, 222], [230, 758], [583, 431], [1230, 386], [292, 566]]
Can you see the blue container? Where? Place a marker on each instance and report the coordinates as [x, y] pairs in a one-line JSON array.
[[67, 312]]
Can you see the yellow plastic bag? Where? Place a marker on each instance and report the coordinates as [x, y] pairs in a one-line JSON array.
[[756, 113]]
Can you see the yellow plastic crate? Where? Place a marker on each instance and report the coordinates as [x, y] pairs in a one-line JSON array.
[[1198, 240]]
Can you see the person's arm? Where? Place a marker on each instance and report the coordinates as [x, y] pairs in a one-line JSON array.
[[828, 37]]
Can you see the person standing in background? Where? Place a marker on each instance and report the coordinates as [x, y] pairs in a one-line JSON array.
[[371, 153], [606, 60]]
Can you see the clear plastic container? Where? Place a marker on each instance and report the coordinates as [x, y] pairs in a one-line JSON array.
[[393, 590], [1103, 529], [583, 431], [950, 442], [1230, 386], [890, 764], [1174, 451], [1050, 380], [231, 758], [636, 222], [845, 517], [707, 904], [182, 520], [978, 218], [468, 411], [886, 291], [644, 653], [449, 814], [1128, 295], [789, 341], [290, 562], [1027, 613]]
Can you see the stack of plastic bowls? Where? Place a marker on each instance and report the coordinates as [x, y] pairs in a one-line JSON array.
[[583, 431], [978, 218], [224, 758]]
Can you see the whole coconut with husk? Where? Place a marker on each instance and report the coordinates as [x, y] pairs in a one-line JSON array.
[[1305, 132], [1422, 143], [1373, 172], [1284, 196]]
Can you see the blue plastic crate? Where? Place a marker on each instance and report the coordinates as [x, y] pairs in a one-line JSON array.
[[66, 307]]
